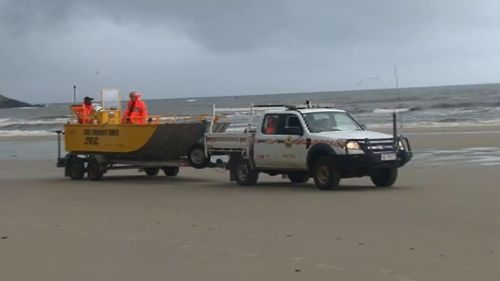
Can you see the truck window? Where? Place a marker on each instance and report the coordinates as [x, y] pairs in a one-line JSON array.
[[292, 121], [292, 125], [330, 121], [279, 124], [270, 125], [345, 123]]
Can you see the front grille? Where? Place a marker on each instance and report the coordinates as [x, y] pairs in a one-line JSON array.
[[377, 146]]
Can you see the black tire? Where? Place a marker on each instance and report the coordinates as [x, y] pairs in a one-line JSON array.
[[196, 157], [94, 172], [75, 168], [244, 174], [171, 171], [151, 172], [326, 176], [384, 177], [298, 177]]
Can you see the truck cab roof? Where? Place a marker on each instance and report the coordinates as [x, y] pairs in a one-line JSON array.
[[305, 110]]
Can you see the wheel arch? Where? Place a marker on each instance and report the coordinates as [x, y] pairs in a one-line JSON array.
[[317, 151]]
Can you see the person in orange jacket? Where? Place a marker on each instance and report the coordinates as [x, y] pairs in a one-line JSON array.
[[271, 125], [137, 111], [85, 117]]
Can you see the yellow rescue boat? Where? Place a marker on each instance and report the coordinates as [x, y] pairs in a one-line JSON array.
[[105, 143]]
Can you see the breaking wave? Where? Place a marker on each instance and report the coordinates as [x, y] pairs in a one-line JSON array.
[[30, 127], [386, 110], [454, 105], [23, 133]]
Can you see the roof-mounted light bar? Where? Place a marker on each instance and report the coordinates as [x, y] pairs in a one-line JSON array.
[[308, 104]]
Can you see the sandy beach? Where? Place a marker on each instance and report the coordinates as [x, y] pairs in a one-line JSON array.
[[440, 222]]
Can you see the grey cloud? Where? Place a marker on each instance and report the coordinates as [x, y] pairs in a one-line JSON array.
[[192, 48], [233, 25]]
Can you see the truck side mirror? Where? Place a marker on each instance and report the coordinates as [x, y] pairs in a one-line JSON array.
[[363, 126]]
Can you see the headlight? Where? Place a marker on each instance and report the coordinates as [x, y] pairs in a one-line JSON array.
[[352, 145]]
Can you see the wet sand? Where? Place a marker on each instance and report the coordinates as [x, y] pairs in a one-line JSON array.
[[437, 223]]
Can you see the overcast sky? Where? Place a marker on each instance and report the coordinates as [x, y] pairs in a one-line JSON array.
[[188, 48]]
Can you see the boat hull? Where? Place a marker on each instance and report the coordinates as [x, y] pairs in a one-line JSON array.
[[129, 141]]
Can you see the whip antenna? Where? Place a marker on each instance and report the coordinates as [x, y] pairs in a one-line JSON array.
[[97, 82], [398, 94]]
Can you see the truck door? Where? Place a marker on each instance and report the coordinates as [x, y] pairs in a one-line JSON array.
[[280, 143]]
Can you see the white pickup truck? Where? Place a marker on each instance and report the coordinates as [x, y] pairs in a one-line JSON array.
[[302, 142]]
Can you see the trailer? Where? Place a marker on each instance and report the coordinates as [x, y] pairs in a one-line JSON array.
[[162, 143]]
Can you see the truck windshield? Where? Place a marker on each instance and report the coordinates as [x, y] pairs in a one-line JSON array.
[[330, 121]]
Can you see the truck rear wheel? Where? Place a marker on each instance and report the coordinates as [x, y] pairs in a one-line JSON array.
[[94, 170], [171, 171], [298, 177], [384, 177], [75, 168], [326, 176], [244, 174]]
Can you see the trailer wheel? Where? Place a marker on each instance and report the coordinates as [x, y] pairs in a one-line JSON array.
[[196, 157], [93, 170], [326, 176], [171, 171], [75, 168], [244, 174], [151, 172], [298, 177], [384, 177]]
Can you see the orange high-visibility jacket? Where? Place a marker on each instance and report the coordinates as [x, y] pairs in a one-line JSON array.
[[270, 125], [136, 112], [86, 114]]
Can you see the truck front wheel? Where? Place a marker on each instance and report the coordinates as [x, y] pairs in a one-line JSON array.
[[326, 176], [244, 174], [384, 177]]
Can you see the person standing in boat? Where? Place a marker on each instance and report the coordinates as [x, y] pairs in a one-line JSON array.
[[85, 117], [137, 111]]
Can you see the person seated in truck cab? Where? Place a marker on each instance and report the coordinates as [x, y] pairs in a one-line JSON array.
[[320, 122], [270, 125], [324, 124]]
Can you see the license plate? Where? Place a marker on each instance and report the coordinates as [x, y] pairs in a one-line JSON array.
[[388, 156]]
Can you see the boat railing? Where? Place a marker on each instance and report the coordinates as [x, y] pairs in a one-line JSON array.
[[114, 117]]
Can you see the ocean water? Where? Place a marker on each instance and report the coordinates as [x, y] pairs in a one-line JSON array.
[[471, 105]]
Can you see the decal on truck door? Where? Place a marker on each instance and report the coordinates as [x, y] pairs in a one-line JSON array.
[[288, 142]]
